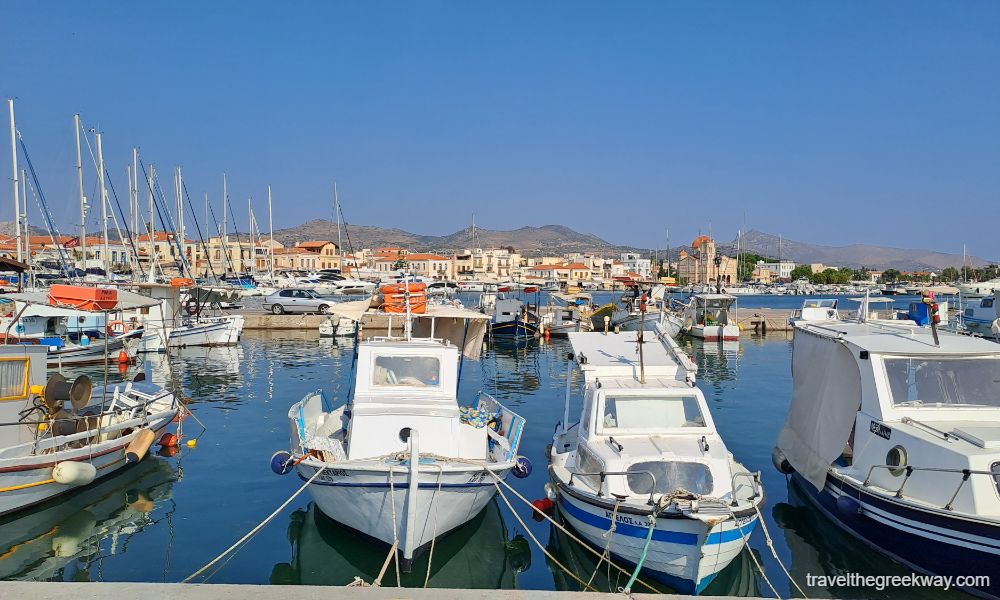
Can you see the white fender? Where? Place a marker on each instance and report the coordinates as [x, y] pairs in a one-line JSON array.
[[74, 473]]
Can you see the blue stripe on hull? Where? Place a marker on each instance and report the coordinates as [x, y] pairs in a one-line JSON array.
[[672, 537], [920, 553]]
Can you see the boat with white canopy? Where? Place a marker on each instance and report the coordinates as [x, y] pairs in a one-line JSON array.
[[399, 459], [646, 456], [894, 434], [47, 447]]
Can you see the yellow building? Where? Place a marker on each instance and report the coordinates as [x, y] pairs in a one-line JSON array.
[[699, 267]]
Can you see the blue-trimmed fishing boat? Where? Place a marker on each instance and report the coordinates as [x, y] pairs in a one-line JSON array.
[[644, 475]]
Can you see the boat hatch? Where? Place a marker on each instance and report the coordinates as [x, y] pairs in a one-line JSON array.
[[984, 437], [669, 476], [623, 414]]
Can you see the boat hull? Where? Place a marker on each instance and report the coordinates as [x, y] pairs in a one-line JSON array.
[[91, 354], [684, 553], [222, 331], [364, 500], [28, 482], [928, 541], [514, 329], [715, 333]]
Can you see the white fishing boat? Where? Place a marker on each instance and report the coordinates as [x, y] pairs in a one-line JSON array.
[[171, 323], [712, 317], [982, 317], [72, 337], [646, 455], [979, 289], [400, 460], [47, 448], [894, 434], [339, 327]]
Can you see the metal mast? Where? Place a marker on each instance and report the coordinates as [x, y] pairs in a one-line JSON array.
[[104, 205], [17, 185], [83, 198]]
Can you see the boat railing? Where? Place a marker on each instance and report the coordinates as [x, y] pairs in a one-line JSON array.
[[910, 470], [604, 475], [754, 485]]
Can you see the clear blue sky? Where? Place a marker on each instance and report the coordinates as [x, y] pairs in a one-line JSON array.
[[833, 122]]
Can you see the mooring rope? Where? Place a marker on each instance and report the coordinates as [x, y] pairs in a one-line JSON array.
[[642, 557], [606, 555], [255, 530], [774, 553], [760, 567]]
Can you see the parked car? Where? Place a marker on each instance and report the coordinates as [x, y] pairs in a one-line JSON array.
[[296, 300]]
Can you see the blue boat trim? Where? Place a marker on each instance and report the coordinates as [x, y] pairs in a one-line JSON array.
[[399, 486], [672, 537]]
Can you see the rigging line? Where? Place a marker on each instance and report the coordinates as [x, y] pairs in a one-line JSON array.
[[43, 206], [222, 242], [344, 224], [236, 228], [128, 232], [169, 222], [197, 226], [156, 204]]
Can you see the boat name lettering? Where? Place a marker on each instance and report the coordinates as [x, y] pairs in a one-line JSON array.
[[883, 431], [627, 519], [478, 477], [330, 474]]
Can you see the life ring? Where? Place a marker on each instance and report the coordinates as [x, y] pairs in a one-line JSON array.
[[192, 307], [116, 328]]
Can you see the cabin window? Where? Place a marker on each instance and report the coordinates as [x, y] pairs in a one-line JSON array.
[[670, 476], [987, 303], [13, 379], [651, 412], [588, 463], [420, 371], [935, 382]]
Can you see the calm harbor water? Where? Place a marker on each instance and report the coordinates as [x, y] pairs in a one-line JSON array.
[[167, 516]]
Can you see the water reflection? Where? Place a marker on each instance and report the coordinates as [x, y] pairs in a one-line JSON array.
[[64, 539], [819, 547], [477, 555], [738, 579], [513, 367]]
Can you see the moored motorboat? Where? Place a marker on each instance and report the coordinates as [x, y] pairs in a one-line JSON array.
[[712, 317], [400, 460], [893, 434], [647, 457]]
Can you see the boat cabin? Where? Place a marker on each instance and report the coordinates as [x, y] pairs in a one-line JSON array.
[[888, 405], [644, 428], [714, 309]]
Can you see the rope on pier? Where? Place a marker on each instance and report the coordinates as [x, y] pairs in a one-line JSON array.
[[235, 547], [385, 565], [606, 555]]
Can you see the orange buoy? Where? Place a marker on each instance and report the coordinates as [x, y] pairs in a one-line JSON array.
[[168, 440], [122, 368], [168, 451], [123, 357]]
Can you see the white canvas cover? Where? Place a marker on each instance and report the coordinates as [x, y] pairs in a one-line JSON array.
[[826, 395]]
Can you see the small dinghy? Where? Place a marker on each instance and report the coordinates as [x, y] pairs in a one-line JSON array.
[[401, 460], [647, 457]]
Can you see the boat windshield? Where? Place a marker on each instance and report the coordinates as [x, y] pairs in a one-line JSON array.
[[420, 371], [651, 413], [944, 382]]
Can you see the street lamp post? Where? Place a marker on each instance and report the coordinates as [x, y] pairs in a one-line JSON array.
[[718, 274]]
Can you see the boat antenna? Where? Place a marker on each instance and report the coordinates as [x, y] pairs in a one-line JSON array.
[[639, 337], [408, 329]]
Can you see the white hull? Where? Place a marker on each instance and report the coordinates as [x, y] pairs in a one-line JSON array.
[[685, 553], [363, 500], [27, 480], [715, 333], [219, 331]]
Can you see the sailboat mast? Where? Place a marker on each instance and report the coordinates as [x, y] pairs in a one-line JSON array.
[[83, 198], [270, 234], [224, 237], [253, 255], [27, 231], [336, 209], [17, 185], [151, 230], [180, 208], [134, 198], [104, 204]]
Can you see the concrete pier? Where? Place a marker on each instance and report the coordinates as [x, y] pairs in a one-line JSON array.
[[11, 590], [760, 321]]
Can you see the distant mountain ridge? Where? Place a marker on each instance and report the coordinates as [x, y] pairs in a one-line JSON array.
[[854, 255], [545, 240]]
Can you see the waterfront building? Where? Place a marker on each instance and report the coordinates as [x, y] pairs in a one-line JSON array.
[[635, 263], [782, 269], [699, 266], [433, 266]]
